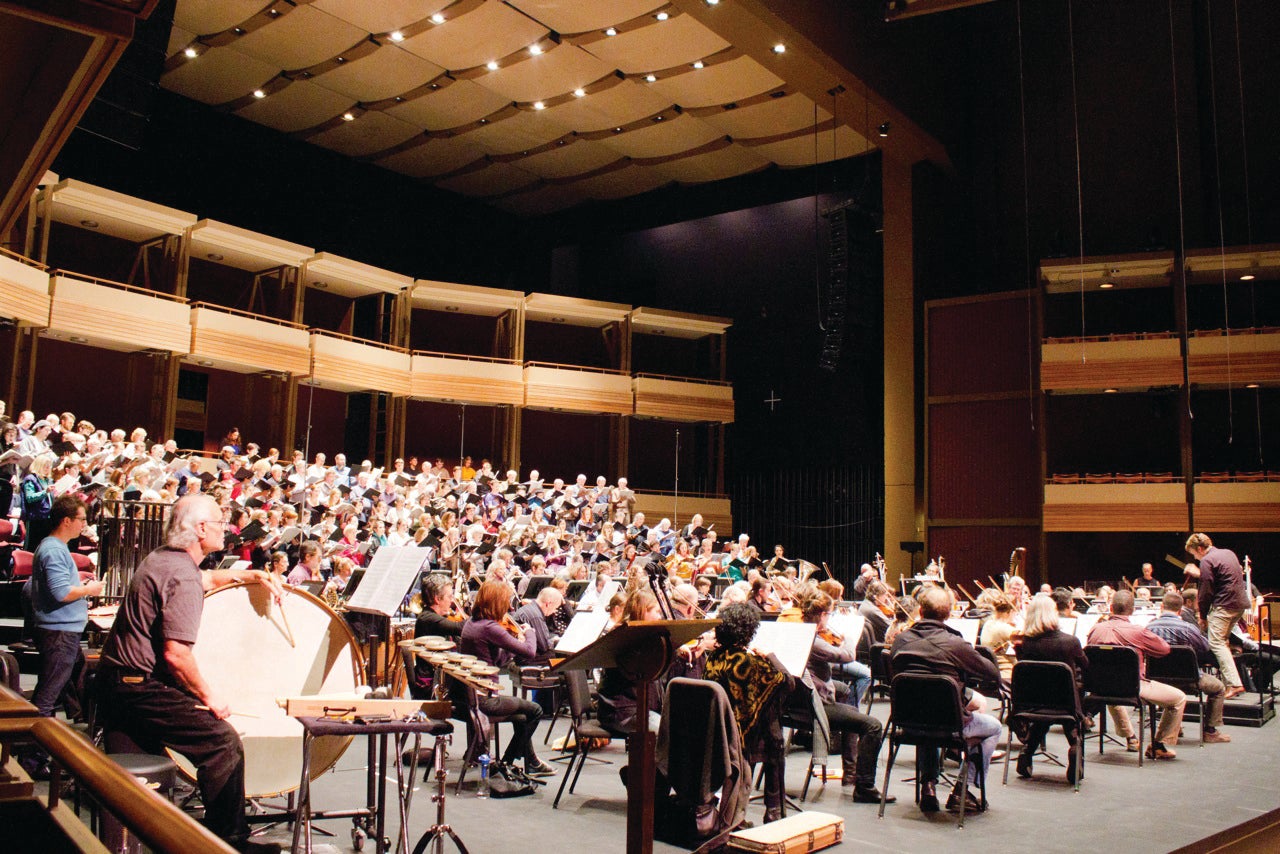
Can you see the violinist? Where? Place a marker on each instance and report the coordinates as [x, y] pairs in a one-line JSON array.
[[866, 574], [878, 609], [618, 699], [534, 615], [998, 635], [690, 658], [440, 615], [761, 590]]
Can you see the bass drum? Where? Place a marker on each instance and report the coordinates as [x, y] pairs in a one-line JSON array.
[[252, 650]]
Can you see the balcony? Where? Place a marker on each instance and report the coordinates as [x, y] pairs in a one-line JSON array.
[[109, 314], [1116, 506], [240, 341], [1246, 502], [24, 290], [682, 399], [353, 364], [1123, 362], [1237, 357], [466, 379], [575, 389]]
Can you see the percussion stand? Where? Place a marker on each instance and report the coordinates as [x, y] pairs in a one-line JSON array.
[[432, 842]]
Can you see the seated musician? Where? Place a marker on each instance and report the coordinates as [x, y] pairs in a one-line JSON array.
[[866, 574], [494, 638], [617, 710], [931, 646], [756, 686], [761, 589], [534, 615], [998, 633], [1042, 641], [1170, 626], [878, 610], [1117, 630], [907, 612], [860, 734]]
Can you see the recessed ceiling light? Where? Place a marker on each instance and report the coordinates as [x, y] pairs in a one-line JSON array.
[[883, 130], [1247, 277], [437, 18], [76, 339], [275, 13], [341, 59], [191, 53], [535, 49], [1109, 390], [205, 363], [214, 256], [484, 121], [779, 48], [492, 65], [699, 64], [89, 223], [320, 285], [1251, 385], [662, 16], [579, 93], [397, 36], [617, 130], [258, 93], [612, 31], [348, 117], [713, 2], [450, 308], [538, 105], [557, 320], [1106, 286], [652, 78], [238, 31]]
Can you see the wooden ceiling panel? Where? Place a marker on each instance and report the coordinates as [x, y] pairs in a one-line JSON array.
[[492, 180], [369, 133], [178, 39], [799, 151], [722, 83], [767, 118], [713, 166], [618, 105], [207, 18], [672, 136], [301, 38], [219, 75], [555, 72], [579, 16], [677, 41], [298, 106], [454, 105], [522, 131], [492, 31], [385, 73], [543, 200], [382, 16], [622, 183], [434, 157], [577, 158]]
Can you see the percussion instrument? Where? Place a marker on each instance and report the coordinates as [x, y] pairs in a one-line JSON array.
[[252, 650]]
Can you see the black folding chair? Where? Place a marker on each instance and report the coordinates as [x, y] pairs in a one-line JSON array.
[[881, 673], [992, 688], [927, 710], [1113, 679], [1045, 692], [585, 728], [1179, 669]]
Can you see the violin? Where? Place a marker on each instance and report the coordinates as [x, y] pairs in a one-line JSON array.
[[832, 637], [513, 628]]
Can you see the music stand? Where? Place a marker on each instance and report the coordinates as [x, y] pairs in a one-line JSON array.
[[642, 652]]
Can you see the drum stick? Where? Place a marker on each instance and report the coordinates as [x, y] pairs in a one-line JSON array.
[[284, 615], [204, 708]]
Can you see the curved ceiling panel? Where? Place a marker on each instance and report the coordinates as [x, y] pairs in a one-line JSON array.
[[677, 41], [672, 136], [712, 166], [301, 38], [178, 39], [522, 131], [490, 32], [578, 16], [556, 72], [385, 73], [369, 133], [382, 16], [433, 157], [768, 118], [622, 182], [722, 83], [799, 150], [207, 18], [456, 104], [574, 159], [492, 180], [296, 107], [618, 105], [219, 75], [540, 201]]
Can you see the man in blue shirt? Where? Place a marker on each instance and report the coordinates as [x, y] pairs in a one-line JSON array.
[[1174, 630], [58, 601]]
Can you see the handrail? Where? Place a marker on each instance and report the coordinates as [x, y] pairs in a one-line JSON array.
[[226, 309], [675, 378], [315, 330], [586, 368], [1119, 336], [465, 357], [30, 262], [155, 820], [682, 495], [95, 280], [1243, 330]]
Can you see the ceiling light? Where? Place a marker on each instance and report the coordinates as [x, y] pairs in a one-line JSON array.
[[275, 13], [652, 78], [205, 363], [535, 49], [699, 64], [258, 93], [579, 93], [191, 53], [662, 16], [1109, 390], [320, 285], [612, 31], [779, 48], [713, 2], [1247, 277], [89, 223], [1251, 385], [397, 36], [437, 18], [214, 256], [617, 130], [77, 339], [341, 59], [450, 308], [557, 320], [348, 117], [883, 130], [538, 105], [1106, 286], [492, 65], [238, 31]]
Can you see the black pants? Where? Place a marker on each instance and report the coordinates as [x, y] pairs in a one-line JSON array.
[[524, 716], [866, 731], [157, 716], [61, 671]]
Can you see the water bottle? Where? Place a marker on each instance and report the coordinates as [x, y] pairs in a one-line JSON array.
[[483, 791]]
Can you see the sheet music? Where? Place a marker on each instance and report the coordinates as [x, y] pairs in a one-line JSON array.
[[849, 624], [1068, 625], [968, 628], [393, 571], [790, 642], [1084, 625], [583, 629], [589, 598]]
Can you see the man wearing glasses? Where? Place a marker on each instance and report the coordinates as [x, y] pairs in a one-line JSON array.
[[150, 686]]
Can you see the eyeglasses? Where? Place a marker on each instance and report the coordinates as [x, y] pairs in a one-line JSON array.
[[82, 519]]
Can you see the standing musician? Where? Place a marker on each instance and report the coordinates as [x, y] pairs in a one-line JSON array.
[[1223, 600], [150, 686]]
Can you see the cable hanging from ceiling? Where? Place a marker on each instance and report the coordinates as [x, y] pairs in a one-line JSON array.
[[1026, 228], [1222, 229], [1181, 270], [1075, 124], [1248, 225]]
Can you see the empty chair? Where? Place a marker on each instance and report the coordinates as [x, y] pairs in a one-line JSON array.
[[586, 728]]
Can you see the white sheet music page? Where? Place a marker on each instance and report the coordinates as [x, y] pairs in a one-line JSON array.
[[389, 577]]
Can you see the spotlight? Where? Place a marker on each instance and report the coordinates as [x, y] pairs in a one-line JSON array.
[[437, 18], [535, 49], [713, 2], [538, 105], [699, 64], [492, 65], [651, 78], [191, 53], [1247, 277], [1251, 385], [1109, 390], [348, 117], [397, 36], [662, 16], [579, 93], [884, 129], [258, 93], [612, 31], [779, 48], [1106, 286]]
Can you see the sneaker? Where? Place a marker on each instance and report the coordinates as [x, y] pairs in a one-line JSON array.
[[538, 768], [870, 795], [1159, 751], [1217, 737]]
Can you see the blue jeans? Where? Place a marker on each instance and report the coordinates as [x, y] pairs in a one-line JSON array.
[[61, 662], [859, 675], [978, 727]]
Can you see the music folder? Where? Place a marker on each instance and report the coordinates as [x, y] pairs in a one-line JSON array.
[[605, 650], [387, 580]]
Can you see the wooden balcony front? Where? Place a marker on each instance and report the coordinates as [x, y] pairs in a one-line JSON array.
[[117, 316], [1238, 357], [24, 290], [460, 379], [1117, 361], [682, 399], [240, 341], [1115, 507], [1238, 506], [715, 510], [352, 364], [576, 389]]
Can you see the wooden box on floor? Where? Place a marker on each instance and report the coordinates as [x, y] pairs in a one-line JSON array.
[[798, 832]]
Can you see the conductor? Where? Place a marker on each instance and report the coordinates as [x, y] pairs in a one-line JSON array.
[[150, 688]]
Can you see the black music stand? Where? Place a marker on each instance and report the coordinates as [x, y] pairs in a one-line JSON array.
[[642, 651]]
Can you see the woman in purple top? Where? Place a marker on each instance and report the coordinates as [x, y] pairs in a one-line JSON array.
[[496, 641]]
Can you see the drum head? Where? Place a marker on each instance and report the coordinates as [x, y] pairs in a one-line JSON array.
[[251, 650]]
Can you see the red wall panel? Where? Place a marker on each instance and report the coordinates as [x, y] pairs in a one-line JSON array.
[[983, 461], [978, 347], [974, 552]]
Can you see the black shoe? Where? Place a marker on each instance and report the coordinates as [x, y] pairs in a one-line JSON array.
[[1024, 764], [870, 795], [928, 797], [972, 803], [1073, 767], [538, 768], [253, 846], [770, 816]]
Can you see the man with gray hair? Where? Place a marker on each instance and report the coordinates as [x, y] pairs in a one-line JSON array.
[[150, 688]]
